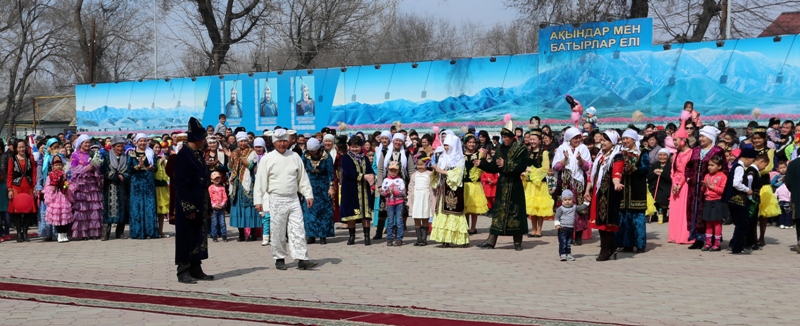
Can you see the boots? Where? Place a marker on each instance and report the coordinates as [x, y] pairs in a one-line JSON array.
[[119, 233], [366, 236], [106, 232], [379, 229], [241, 235], [352, 239], [489, 242], [418, 231], [25, 233], [424, 238], [19, 233], [578, 238], [607, 250]]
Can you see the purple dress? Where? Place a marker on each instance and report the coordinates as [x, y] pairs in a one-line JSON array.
[[86, 189]]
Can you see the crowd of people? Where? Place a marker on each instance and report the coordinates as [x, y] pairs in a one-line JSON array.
[[282, 186]]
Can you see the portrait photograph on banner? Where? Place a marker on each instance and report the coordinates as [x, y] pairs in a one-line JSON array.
[[231, 101], [266, 91], [304, 104]]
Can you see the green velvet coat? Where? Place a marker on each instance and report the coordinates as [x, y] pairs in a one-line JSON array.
[[509, 216]]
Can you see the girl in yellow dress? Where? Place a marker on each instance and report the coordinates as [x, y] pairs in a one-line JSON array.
[[162, 186], [768, 206], [475, 202], [538, 202]]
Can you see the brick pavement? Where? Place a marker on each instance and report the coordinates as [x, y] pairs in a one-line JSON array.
[[668, 285]]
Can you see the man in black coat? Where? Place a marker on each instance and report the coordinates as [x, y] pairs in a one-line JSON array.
[[191, 206]]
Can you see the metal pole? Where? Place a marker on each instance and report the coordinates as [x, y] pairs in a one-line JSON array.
[[155, 45], [728, 19]]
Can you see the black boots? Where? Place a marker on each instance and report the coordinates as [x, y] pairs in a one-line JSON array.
[[196, 272], [379, 229], [184, 273], [418, 231], [19, 234], [607, 247], [241, 235], [518, 242], [366, 236], [311, 240], [106, 232], [280, 264], [424, 237], [696, 245], [119, 233], [323, 241], [352, 239], [578, 238], [489, 242]]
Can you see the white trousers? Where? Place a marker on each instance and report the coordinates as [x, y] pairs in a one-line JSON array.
[[286, 212]]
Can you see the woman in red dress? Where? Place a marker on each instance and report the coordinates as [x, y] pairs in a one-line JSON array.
[[604, 192], [20, 180]]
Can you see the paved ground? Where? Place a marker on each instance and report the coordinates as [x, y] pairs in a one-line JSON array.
[[667, 285]]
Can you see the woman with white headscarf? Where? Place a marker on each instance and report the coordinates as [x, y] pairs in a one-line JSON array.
[[141, 166], [604, 191], [632, 233], [318, 218], [449, 223], [86, 187], [696, 170], [242, 167], [327, 143], [571, 162]]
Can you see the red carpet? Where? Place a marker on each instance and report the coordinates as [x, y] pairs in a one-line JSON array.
[[283, 311]]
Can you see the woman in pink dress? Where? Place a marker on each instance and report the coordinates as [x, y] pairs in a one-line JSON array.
[[678, 232], [86, 189]]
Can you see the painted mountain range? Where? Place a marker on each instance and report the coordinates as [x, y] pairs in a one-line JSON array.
[[657, 83]]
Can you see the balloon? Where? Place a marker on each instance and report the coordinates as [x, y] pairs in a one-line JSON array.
[[23, 203]]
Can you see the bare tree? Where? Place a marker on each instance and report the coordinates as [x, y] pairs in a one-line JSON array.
[[122, 41], [557, 12], [32, 38], [218, 25], [312, 27]]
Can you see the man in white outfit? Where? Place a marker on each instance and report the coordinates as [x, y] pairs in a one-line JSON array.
[[280, 176]]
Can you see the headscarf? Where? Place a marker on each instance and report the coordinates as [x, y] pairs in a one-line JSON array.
[[601, 169], [119, 163], [82, 138], [572, 162], [711, 133], [380, 143], [312, 144], [455, 156], [333, 151], [147, 150], [664, 150], [403, 158], [632, 134], [240, 136], [260, 142], [48, 157]]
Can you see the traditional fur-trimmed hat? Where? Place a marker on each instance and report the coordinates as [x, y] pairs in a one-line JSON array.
[[196, 130]]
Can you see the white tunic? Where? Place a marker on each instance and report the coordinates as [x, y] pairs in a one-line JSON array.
[[419, 196], [281, 175]]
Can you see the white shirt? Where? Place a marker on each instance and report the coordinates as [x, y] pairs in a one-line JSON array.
[[282, 175], [738, 172]]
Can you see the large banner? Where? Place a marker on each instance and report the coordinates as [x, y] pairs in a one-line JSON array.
[[611, 66]]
